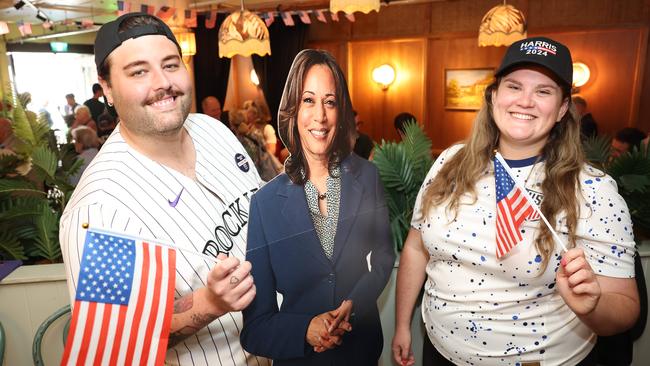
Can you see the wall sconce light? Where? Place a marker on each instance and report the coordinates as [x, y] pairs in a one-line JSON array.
[[581, 74], [384, 75]]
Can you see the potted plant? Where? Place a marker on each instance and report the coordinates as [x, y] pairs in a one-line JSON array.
[[402, 168], [631, 171], [34, 175]]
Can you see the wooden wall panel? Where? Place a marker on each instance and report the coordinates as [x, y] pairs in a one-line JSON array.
[[613, 90], [611, 93], [446, 127], [611, 36], [338, 49], [377, 108], [393, 22], [580, 13]]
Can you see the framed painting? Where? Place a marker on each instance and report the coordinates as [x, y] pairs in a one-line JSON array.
[[464, 88]]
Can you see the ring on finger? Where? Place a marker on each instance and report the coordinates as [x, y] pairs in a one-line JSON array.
[[234, 280]]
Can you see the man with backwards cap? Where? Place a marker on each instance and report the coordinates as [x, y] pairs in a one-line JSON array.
[[500, 290], [174, 176]]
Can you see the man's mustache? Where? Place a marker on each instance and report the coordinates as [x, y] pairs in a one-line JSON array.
[[164, 94]]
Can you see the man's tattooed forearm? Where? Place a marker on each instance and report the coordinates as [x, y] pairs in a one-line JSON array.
[[193, 322], [184, 304], [201, 320]]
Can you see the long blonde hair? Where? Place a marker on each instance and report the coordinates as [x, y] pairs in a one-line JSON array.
[[564, 160]]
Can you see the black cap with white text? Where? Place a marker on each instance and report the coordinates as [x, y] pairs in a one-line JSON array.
[[541, 51]]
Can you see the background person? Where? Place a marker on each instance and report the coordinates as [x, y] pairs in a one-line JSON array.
[[588, 125], [537, 304], [82, 117], [311, 230], [259, 117], [626, 139], [86, 144]]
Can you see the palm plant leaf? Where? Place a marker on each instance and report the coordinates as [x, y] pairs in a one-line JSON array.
[[10, 247], [402, 168], [16, 207], [18, 185], [8, 164], [46, 243], [597, 149], [22, 127], [41, 130], [631, 171], [45, 159]]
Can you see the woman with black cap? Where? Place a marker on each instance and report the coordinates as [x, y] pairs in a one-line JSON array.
[[500, 286]]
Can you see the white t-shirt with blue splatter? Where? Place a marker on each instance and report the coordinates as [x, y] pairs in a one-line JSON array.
[[482, 311]]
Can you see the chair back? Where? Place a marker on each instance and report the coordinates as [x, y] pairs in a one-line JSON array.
[[40, 332]]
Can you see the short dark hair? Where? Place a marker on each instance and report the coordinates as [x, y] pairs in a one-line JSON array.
[[631, 136], [105, 67], [69, 95], [401, 120], [296, 166], [96, 88]]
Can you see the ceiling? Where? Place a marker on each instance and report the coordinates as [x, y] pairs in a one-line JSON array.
[[67, 15], [101, 11]]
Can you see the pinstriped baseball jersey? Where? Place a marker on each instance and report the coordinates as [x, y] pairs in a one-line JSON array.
[[124, 191]]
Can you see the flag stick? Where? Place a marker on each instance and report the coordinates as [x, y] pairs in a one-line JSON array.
[[530, 200], [156, 241]]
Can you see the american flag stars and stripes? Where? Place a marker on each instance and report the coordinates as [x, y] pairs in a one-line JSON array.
[[123, 304], [513, 208]]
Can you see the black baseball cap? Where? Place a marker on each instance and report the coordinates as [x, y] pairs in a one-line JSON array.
[[109, 38], [541, 51]]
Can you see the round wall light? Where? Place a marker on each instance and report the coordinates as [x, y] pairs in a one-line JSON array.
[[581, 74], [384, 75]]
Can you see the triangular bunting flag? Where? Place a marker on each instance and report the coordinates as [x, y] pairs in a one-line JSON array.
[[350, 17], [149, 9], [4, 28], [165, 13], [334, 16], [304, 17], [25, 28], [211, 19], [269, 19], [190, 18], [123, 7], [287, 18], [87, 23], [320, 16]]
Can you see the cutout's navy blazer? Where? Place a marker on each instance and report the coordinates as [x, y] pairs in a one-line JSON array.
[[287, 257]]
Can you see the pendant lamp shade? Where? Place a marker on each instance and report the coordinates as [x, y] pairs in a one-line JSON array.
[[350, 6], [243, 33], [501, 26]]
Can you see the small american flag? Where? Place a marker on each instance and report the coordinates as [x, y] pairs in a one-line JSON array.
[[123, 306], [149, 9], [165, 13], [190, 18], [123, 7], [513, 208]]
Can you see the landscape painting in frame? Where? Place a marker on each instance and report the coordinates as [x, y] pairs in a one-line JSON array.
[[464, 88]]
